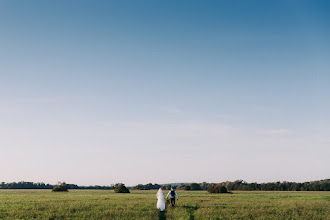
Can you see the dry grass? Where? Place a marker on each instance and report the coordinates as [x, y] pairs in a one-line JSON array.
[[103, 204]]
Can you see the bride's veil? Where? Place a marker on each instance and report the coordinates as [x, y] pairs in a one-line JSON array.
[[160, 193], [160, 200]]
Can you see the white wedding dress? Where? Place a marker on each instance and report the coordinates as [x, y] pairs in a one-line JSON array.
[[160, 200]]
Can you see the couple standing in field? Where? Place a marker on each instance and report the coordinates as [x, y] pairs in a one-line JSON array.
[[160, 197]]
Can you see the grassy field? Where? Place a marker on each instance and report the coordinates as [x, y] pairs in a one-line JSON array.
[[102, 204]]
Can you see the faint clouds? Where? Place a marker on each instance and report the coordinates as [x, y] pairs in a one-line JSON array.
[[278, 132], [171, 130]]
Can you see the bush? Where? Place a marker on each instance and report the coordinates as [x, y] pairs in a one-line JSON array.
[[187, 187], [223, 189], [195, 186], [61, 187], [121, 188], [217, 189]]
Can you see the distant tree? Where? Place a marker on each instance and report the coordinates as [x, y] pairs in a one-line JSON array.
[[121, 188], [223, 189], [61, 187], [204, 185], [211, 189], [187, 187], [195, 186], [168, 187], [147, 186], [180, 186]]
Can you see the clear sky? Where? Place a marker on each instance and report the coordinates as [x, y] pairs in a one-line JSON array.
[[100, 92]]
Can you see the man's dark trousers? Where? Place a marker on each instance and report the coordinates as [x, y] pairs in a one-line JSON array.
[[172, 201]]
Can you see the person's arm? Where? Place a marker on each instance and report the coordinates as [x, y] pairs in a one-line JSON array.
[[176, 195], [168, 194]]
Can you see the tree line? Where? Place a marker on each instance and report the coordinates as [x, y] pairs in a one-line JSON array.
[[147, 186], [32, 185], [319, 185]]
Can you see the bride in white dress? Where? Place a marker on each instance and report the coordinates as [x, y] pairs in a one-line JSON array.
[[160, 200]]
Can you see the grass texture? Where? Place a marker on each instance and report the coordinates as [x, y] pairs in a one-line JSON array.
[[105, 204]]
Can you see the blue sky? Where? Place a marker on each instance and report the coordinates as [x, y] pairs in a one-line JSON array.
[[99, 92]]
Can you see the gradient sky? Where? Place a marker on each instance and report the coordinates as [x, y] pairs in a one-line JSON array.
[[100, 92]]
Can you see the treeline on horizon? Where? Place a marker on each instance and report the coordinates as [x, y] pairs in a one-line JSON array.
[[319, 185], [32, 185]]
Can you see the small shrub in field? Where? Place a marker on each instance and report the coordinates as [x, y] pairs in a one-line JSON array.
[[121, 188], [60, 188], [223, 189], [217, 189]]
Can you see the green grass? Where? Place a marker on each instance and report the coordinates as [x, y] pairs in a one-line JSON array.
[[103, 204]]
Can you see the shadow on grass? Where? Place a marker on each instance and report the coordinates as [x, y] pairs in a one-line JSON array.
[[190, 210], [161, 215]]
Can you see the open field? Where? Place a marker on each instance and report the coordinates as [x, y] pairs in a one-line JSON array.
[[103, 204]]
